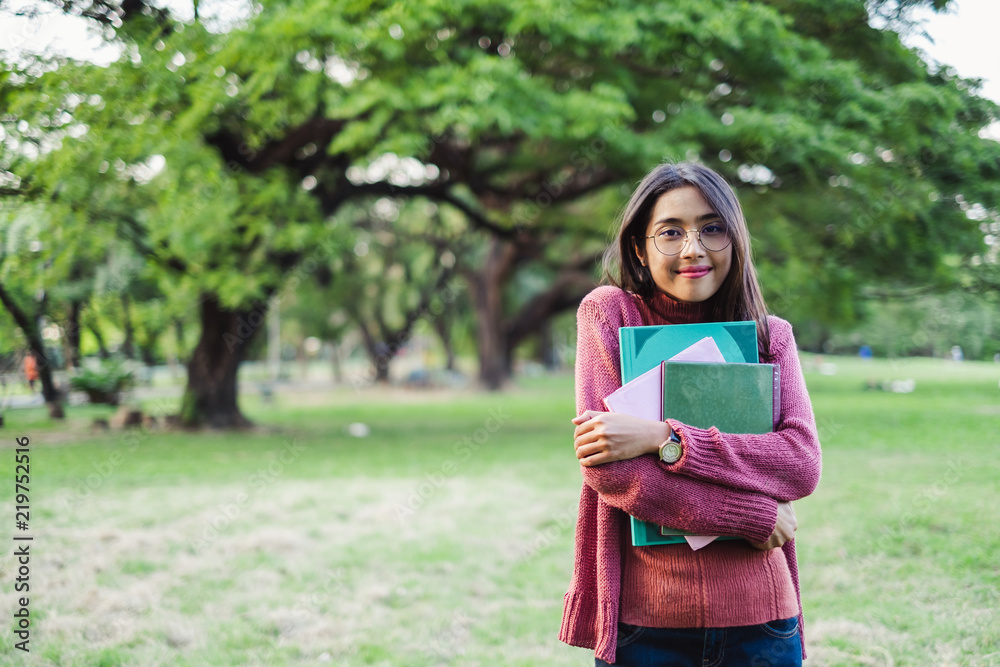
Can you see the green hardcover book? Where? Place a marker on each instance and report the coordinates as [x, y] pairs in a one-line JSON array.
[[733, 397]]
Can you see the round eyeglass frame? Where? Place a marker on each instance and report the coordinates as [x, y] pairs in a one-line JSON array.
[[729, 240]]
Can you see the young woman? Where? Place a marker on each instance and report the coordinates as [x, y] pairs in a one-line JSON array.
[[682, 255]]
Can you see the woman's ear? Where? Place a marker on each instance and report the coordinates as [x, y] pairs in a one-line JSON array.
[[639, 252]]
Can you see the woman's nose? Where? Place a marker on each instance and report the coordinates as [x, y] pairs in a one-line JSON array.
[[692, 246]]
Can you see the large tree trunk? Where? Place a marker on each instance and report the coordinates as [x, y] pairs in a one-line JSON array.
[[51, 394], [379, 353], [487, 288], [210, 398], [534, 318]]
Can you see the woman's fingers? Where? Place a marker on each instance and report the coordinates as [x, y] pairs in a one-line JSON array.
[[585, 438], [617, 436], [588, 426], [587, 415], [591, 455], [784, 528]]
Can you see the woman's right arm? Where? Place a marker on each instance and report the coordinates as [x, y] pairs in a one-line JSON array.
[[639, 486]]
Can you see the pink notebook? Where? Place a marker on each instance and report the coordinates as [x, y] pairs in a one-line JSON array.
[[643, 396]]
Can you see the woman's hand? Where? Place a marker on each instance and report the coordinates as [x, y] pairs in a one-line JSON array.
[[603, 437], [784, 529]]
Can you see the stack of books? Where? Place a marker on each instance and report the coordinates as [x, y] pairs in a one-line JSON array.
[[702, 375]]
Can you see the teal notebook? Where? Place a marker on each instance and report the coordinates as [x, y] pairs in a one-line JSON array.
[[644, 348], [735, 398]]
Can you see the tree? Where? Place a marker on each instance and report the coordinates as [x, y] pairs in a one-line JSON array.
[[198, 226], [27, 267], [401, 272], [527, 118], [846, 148]]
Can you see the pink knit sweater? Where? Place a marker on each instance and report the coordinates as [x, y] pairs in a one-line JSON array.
[[725, 484]]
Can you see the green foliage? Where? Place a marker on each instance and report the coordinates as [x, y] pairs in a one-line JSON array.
[[104, 381], [927, 325]]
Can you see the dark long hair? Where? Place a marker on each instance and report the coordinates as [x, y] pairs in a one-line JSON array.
[[739, 297]]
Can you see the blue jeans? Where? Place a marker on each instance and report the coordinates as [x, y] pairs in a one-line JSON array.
[[774, 644]]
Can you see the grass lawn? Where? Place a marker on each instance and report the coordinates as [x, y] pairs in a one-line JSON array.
[[444, 537]]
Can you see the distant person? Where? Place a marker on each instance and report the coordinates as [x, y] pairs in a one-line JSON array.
[[31, 370], [865, 352], [956, 353], [682, 255]]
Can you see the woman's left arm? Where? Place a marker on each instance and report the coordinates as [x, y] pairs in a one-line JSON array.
[[784, 464]]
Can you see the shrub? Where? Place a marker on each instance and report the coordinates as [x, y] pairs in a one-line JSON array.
[[105, 382]]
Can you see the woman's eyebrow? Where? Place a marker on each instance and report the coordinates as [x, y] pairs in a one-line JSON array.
[[678, 221]]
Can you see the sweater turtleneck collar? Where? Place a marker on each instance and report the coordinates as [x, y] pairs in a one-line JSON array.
[[661, 309]]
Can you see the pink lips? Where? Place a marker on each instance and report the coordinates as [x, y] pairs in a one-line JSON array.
[[695, 271]]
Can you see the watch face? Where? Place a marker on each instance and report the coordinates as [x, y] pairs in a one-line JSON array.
[[670, 452]]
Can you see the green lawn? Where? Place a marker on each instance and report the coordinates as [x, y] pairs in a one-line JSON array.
[[444, 537]]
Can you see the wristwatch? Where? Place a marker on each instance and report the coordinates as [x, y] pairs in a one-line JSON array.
[[671, 450]]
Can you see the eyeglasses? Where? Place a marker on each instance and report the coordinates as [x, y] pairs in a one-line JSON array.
[[670, 240]]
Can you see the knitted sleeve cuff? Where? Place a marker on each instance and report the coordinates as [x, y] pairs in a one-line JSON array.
[[698, 458], [750, 519]]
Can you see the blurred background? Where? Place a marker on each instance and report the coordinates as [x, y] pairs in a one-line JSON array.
[[423, 196], [362, 230]]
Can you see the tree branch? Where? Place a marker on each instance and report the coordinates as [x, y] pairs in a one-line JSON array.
[[566, 291], [110, 14], [438, 193], [317, 130]]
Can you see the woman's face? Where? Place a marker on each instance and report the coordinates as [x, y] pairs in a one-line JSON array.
[[694, 274]]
